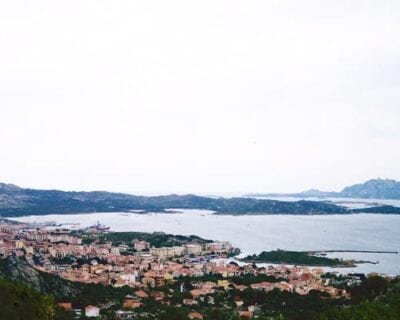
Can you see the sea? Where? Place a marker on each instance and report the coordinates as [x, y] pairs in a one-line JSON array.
[[255, 233]]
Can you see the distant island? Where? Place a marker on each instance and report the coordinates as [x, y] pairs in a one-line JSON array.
[[16, 201], [372, 189]]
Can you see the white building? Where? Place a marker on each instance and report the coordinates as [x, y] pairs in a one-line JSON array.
[[92, 311]]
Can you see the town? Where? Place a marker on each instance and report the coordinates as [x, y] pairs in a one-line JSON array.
[[195, 268]]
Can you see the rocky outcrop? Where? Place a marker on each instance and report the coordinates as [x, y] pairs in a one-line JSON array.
[[18, 269]]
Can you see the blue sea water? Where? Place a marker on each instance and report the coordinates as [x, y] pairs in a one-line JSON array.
[[253, 234]]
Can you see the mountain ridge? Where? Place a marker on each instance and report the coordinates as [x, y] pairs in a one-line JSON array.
[[385, 189], [16, 201]]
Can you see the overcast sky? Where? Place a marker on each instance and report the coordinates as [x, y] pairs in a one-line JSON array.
[[199, 96]]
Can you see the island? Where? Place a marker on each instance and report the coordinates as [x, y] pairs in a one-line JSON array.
[[371, 189]]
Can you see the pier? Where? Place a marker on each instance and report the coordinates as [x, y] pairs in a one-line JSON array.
[[353, 251]]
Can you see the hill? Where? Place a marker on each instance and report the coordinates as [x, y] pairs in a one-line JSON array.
[[16, 201], [19, 270], [373, 189], [18, 301]]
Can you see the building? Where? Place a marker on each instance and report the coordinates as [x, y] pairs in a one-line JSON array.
[[195, 316], [194, 249], [114, 250], [54, 238], [219, 246], [92, 311], [65, 305], [131, 302], [141, 245], [167, 252], [19, 244], [223, 283]]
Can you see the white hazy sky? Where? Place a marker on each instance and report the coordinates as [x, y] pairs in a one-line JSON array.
[[199, 96]]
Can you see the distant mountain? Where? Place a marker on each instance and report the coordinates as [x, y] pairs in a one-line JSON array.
[[372, 189], [312, 193], [16, 201], [317, 193]]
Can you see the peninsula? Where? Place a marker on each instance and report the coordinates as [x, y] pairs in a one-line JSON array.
[[301, 258]]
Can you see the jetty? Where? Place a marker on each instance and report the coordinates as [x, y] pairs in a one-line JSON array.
[[353, 251]]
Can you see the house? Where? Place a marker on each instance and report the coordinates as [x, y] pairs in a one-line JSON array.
[[195, 316], [157, 295], [223, 283], [245, 314], [141, 245], [131, 303], [239, 303], [92, 311], [141, 294], [189, 302], [65, 305], [241, 287], [149, 282]]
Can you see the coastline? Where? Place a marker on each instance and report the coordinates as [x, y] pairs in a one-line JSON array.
[[253, 234]]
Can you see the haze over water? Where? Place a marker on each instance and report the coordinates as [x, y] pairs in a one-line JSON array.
[[253, 234]]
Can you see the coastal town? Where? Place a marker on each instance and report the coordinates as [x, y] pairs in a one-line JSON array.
[[80, 256]]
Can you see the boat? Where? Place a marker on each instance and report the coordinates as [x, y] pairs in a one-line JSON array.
[[99, 227]]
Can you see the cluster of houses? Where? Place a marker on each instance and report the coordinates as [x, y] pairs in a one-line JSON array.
[[297, 279], [59, 252]]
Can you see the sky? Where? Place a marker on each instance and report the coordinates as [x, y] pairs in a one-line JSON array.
[[209, 97]]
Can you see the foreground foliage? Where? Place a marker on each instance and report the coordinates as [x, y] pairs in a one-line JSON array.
[[18, 301]]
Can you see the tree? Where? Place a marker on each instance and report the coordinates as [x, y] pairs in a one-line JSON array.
[[19, 302]]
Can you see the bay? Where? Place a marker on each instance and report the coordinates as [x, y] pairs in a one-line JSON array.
[[255, 233]]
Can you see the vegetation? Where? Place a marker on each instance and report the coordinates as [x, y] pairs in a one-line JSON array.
[[156, 239], [296, 258], [374, 299], [64, 260], [18, 301]]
